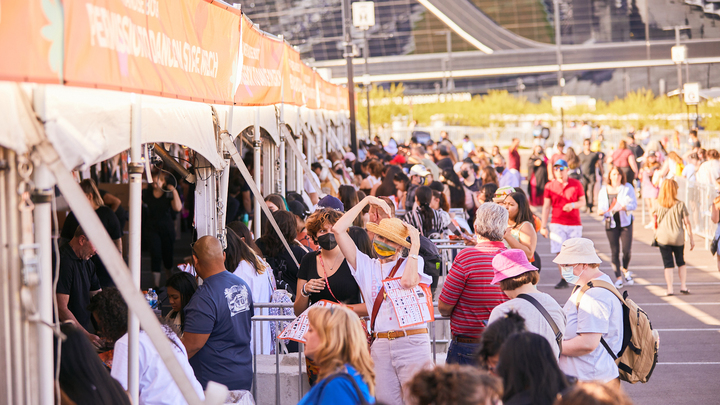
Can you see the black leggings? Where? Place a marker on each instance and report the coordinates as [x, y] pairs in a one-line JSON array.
[[160, 242], [615, 236]]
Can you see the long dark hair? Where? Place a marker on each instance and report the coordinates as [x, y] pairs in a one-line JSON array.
[[427, 214], [111, 311], [83, 377], [527, 363], [362, 240], [495, 334], [186, 285], [457, 192], [238, 251], [524, 213], [387, 187], [244, 233], [350, 198], [288, 226]]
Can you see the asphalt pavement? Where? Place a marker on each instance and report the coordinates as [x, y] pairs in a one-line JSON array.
[[689, 325]]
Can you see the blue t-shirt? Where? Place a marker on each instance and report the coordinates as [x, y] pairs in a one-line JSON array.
[[222, 307], [338, 391]]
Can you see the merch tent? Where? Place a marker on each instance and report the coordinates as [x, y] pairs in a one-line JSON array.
[[89, 80]]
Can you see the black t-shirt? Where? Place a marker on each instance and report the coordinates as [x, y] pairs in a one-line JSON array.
[[76, 279], [112, 226], [284, 268], [342, 283], [445, 163], [158, 209], [588, 162], [637, 150]]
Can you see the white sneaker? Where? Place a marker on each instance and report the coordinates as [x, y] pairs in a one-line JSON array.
[[629, 280], [618, 284]]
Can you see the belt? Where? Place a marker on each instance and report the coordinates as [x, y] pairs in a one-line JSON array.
[[460, 339], [395, 334]]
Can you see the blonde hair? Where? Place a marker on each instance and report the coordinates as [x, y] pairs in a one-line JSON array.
[[668, 193], [90, 189], [342, 341]]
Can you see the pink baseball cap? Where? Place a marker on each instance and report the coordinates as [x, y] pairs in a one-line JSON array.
[[510, 263]]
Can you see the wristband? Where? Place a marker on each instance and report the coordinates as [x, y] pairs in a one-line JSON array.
[[303, 292]]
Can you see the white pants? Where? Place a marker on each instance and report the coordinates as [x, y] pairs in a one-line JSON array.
[[396, 362]]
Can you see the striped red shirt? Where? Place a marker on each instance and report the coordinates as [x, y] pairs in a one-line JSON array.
[[467, 287]]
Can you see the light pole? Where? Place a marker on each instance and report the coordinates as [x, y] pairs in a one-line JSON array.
[[367, 83], [448, 82], [679, 54], [364, 18], [558, 44], [347, 43]]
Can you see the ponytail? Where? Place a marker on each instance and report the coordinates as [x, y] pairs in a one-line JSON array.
[[427, 214]]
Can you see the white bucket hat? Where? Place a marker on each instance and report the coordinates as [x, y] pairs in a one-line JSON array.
[[577, 251]]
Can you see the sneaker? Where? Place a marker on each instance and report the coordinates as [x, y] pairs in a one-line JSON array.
[[629, 280], [562, 284], [618, 284]]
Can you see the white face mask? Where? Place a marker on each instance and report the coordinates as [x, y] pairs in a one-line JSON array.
[[569, 275]]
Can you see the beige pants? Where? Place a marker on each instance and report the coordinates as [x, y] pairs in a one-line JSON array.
[[396, 362]]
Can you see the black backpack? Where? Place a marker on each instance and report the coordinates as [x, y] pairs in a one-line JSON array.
[[431, 257]]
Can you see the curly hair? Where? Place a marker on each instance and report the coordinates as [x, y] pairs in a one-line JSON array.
[[112, 313], [454, 384], [321, 217], [288, 226]]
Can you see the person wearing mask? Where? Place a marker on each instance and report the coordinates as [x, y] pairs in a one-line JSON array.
[[624, 159], [274, 252], [110, 223], [588, 174], [671, 216], [431, 223], [521, 233], [597, 316], [454, 385], [529, 371], [77, 283], [217, 321], [467, 296], [563, 196], [247, 265], [398, 352], [156, 384], [537, 176], [161, 199], [518, 280], [325, 274], [616, 202], [509, 177], [180, 288], [82, 376], [337, 343]]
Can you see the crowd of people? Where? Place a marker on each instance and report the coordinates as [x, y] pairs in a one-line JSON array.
[[374, 218]]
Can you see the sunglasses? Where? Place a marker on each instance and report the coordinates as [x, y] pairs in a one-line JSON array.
[[560, 168]]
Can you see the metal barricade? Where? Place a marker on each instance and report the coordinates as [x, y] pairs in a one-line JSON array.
[[257, 332]]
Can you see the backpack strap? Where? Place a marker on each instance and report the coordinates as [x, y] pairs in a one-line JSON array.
[[348, 377], [558, 335], [381, 296], [612, 289]]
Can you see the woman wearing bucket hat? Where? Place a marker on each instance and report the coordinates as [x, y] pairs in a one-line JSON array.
[[398, 352], [593, 318], [518, 279]]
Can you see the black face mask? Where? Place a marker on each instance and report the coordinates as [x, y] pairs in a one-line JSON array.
[[499, 169], [465, 174], [327, 241]]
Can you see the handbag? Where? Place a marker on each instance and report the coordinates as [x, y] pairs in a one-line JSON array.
[[608, 218], [378, 302]]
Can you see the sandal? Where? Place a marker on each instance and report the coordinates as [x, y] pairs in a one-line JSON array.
[[686, 292], [669, 294]]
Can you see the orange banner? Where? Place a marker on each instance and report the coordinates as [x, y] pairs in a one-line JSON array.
[[293, 84], [31, 35], [261, 77], [328, 95], [183, 49], [310, 87]]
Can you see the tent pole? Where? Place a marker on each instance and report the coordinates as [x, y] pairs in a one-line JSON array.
[[283, 180], [257, 162], [136, 169], [6, 375]]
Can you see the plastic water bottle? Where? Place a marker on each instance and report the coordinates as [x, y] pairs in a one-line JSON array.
[[246, 219], [151, 298]]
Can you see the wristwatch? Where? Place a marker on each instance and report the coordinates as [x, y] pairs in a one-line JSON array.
[[416, 257]]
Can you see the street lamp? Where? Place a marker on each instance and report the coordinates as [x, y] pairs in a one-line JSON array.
[[364, 18], [558, 44], [679, 55]]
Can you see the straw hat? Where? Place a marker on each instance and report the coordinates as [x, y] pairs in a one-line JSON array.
[[392, 229]]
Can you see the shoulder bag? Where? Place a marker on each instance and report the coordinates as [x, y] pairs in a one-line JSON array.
[[558, 335]]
